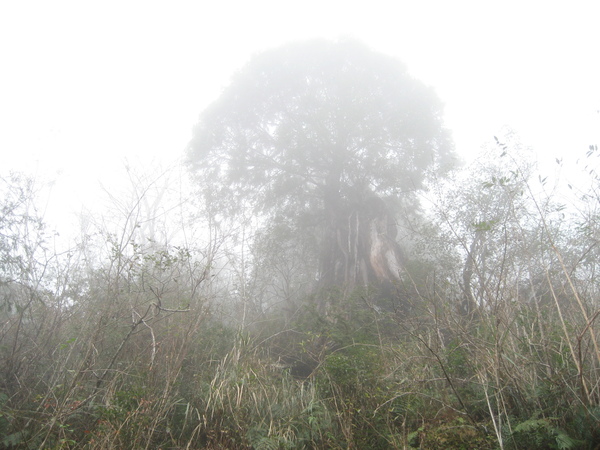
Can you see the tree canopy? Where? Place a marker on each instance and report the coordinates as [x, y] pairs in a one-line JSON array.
[[325, 134]]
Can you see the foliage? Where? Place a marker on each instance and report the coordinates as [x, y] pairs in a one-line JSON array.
[[489, 339], [455, 435], [328, 138], [541, 434], [301, 114], [22, 232]]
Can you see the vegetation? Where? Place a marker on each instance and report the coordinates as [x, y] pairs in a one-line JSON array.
[[216, 334], [329, 140]]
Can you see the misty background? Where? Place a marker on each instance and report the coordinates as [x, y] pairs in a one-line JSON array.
[[326, 225], [87, 90]]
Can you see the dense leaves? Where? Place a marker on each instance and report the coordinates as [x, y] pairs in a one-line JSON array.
[[319, 132]]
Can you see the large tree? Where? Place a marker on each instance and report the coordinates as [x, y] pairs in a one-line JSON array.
[[328, 137]]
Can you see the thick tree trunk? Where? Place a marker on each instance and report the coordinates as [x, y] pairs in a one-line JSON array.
[[359, 245]]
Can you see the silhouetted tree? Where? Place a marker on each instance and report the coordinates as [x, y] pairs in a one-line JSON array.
[[331, 136]]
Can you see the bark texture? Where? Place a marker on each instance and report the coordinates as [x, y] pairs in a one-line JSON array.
[[360, 246]]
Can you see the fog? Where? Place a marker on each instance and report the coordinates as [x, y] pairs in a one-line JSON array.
[[329, 225], [87, 90]]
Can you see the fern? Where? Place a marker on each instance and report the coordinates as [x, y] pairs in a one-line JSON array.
[[266, 443], [564, 442], [12, 440], [540, 433]]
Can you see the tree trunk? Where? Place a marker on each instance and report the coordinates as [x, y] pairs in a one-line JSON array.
[[469, 304], [359, 247]]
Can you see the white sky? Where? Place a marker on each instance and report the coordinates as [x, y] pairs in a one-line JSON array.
[[86, 85]]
